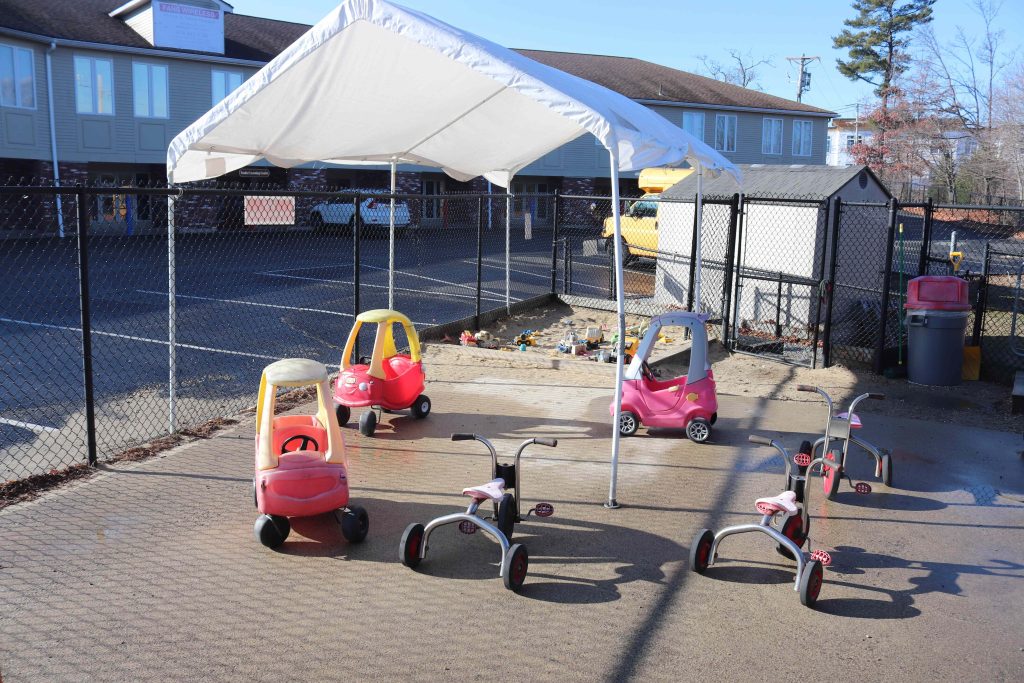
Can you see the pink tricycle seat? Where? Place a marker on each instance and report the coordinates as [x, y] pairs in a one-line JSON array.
[[784, 502], [855, 422], [492, 490]]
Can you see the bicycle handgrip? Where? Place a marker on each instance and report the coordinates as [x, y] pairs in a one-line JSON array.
[[461, 436], [880, 397], [546, 442], [757, 438], [805, 387]]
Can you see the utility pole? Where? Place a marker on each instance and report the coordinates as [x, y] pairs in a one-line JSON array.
[[804, 82]]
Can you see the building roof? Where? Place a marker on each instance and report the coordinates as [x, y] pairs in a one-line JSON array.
[[641, 80], [258, 39], [251, 38], [770, 180]]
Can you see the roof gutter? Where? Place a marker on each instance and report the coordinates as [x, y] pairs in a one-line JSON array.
[[53, 136], [107, 47], [729, 107]]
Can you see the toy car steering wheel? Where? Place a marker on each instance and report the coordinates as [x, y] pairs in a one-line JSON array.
[[648, 373], [306, 440]]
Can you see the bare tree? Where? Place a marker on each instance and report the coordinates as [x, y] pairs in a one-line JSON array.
[[1008, 128], [742, 73]]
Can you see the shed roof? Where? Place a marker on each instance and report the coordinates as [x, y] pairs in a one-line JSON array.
[[768, 180]]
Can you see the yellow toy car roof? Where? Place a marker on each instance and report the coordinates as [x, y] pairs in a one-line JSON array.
[[383, 315]]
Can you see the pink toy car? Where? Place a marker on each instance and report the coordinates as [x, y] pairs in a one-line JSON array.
[[300, 459], [688, 401], [388, 379]]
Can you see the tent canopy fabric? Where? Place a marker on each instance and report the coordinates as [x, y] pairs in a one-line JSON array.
[[373, 82]]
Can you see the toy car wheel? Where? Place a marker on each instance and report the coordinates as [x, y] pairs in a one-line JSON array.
[[271, 530], [887, 469], [355, 523], [367, 423], [409, 548], [700, 551], [699, 430], [831, 476], [343, 413], [515, 566], [628, 423], [507, 515], [421, 407], [794, 530], [255, 500], [316, 221], [810, 583]]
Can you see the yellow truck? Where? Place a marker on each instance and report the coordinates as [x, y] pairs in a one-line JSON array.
[[640, 219]]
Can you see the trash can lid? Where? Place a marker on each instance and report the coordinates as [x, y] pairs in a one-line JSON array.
[[938, 293]]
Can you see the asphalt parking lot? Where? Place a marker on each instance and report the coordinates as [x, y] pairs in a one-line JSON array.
[[150, 571]]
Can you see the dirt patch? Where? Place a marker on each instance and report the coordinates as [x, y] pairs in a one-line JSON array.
[[972, 404]]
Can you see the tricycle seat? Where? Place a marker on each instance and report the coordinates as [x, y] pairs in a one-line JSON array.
[[784, 502], [492, 490]]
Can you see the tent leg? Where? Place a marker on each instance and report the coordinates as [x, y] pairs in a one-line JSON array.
[[172, 322], [508, 249], [698, 238], [621, 344], [391, 238]]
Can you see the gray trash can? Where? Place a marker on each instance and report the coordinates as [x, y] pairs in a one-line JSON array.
[[937, 312]]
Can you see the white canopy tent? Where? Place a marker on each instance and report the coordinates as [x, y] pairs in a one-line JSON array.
[[373, 82]]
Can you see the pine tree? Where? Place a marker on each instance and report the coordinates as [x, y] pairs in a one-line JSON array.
[[878, 45]]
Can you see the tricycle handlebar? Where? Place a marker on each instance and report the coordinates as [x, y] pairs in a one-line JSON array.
[[806, 387], [462, 436], [546, 442], [757, 438], [879, 397]]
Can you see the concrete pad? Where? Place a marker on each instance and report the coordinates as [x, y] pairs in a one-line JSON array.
[[150, 572]]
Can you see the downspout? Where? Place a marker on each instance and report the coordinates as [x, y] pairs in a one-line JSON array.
[[53, 136]]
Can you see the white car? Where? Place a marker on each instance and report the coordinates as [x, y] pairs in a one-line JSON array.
[[372, 211]]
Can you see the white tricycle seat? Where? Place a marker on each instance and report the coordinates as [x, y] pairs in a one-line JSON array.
[[492, 490], [784, 502]]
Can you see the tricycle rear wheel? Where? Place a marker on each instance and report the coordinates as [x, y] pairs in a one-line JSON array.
[[409, 550], [517, 563]]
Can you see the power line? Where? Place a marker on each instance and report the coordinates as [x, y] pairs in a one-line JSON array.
[[804, 82]]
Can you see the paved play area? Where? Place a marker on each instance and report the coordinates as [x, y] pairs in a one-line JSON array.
[[150, 571]]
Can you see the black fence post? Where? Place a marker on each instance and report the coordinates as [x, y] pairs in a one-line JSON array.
[[730, 257], [926, 238], [830, 282], [610, 249], [554, 246], [479, 258], [356, 220], [894, 205], [83, 292], [778, 309], [821, 287], [693, 262]]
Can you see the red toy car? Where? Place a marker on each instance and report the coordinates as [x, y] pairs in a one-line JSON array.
[[387, 379], [300, 459]]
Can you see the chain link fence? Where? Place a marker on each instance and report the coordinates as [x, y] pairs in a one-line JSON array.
[[90, 325], [113, 334]]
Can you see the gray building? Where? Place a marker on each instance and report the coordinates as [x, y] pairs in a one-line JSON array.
[[94, 90]]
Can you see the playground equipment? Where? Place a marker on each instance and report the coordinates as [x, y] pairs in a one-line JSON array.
[[300, 459], [386, 380], [515, 560], [840, 428], [784, 519], [687, 401]]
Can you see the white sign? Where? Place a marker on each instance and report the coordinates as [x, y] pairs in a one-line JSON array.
[[269, 210], [198, 26]]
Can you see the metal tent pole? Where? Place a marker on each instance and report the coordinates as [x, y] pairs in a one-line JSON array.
[[620, 304], [508, 248], [391, 245], [172, 321]]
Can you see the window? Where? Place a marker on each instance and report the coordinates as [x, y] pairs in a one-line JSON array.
[[725, 132], [771, 136], [693, 123], [802, 138], [94, 86], [224, 82], [17, 77], [149, 84]]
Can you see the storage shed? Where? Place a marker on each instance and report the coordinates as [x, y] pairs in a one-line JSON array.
[[783, 243]]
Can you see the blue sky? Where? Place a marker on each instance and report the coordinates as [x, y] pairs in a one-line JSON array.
[[675, 32]]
